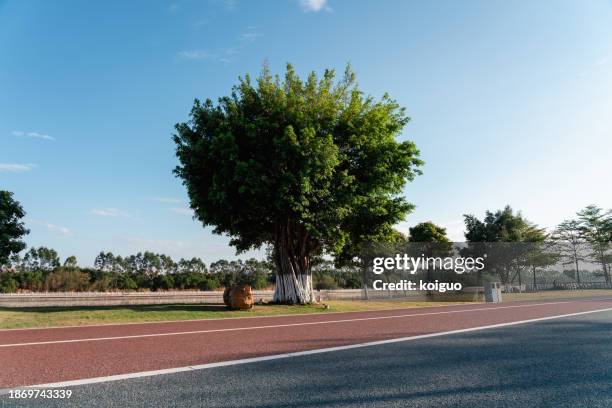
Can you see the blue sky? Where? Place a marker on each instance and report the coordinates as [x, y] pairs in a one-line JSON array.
[[511, 103]]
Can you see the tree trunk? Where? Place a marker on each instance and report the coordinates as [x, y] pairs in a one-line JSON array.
[[604, 266], [292, 251], [577, 270], [365, 280]]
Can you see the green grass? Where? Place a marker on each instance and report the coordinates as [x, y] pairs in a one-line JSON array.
[[86, 315]]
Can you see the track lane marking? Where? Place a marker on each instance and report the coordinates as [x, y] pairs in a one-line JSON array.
[[118, 377], [136, 336]]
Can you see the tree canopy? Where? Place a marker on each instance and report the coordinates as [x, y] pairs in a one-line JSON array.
[[12, 229], [307, 166], [427, 232], [596, 228], [509, 240]]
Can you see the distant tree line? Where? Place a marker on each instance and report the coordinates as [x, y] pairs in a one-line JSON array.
[[520, 252], [574, 244], [40, 269]]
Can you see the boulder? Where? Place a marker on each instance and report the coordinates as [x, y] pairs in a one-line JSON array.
[[238, 297], [241, 297]]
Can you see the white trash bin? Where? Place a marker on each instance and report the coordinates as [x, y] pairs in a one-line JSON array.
[[493, 292]]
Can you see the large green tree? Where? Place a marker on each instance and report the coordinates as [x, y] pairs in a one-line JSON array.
[[507, 238], [12, 228], [307, 166]]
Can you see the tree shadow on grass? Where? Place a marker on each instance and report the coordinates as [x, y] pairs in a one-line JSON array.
[[136, 308], [198, 307]]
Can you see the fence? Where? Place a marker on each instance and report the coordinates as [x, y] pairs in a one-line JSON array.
[[59, 299], [566, 286], [118, 298]]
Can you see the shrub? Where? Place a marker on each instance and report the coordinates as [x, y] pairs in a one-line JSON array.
[[257, 280], [67, 279], [7, 283], [325, 282], [125, 282], [210, 283], [163, 282], [32, 280]]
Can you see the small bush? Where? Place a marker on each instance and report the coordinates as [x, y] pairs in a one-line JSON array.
[[210, 283], [7, 283], [326, 282], [68, 280], [125, 282], [163, 282]]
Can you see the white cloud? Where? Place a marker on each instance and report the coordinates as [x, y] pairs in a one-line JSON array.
[[182, 211], [195, 54], [54, 227], [199, 54], [110, 212], [32, 135], [168, 200], [250, 35], [15, 167], [314, 5]]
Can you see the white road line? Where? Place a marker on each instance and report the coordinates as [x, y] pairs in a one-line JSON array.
[[137, 336], [65, 384]]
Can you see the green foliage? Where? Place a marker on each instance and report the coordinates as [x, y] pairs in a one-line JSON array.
[[31, 280], [427, 232], [325, 282], [327, 276], [8, 283], [41, 258], [307, 166], [162, 282], [71, 262], [509, 240], [502, 226], [569, 243], [126, 282], [596, 228], [209, 283], [67, 280], [12, 228]]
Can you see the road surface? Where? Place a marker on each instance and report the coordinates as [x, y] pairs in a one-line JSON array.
[[449, 356]]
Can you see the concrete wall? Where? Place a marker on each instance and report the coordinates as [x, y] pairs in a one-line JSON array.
[[55, 299], [117, 298]]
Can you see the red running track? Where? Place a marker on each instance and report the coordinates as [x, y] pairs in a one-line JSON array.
[[39, 356]]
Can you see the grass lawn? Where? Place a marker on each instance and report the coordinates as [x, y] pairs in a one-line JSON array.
[[83, 315]]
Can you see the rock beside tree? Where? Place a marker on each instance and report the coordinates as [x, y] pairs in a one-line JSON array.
[[239, 297]]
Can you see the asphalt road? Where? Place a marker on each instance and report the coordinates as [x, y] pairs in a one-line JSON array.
[[42, 356], [564, 362]]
